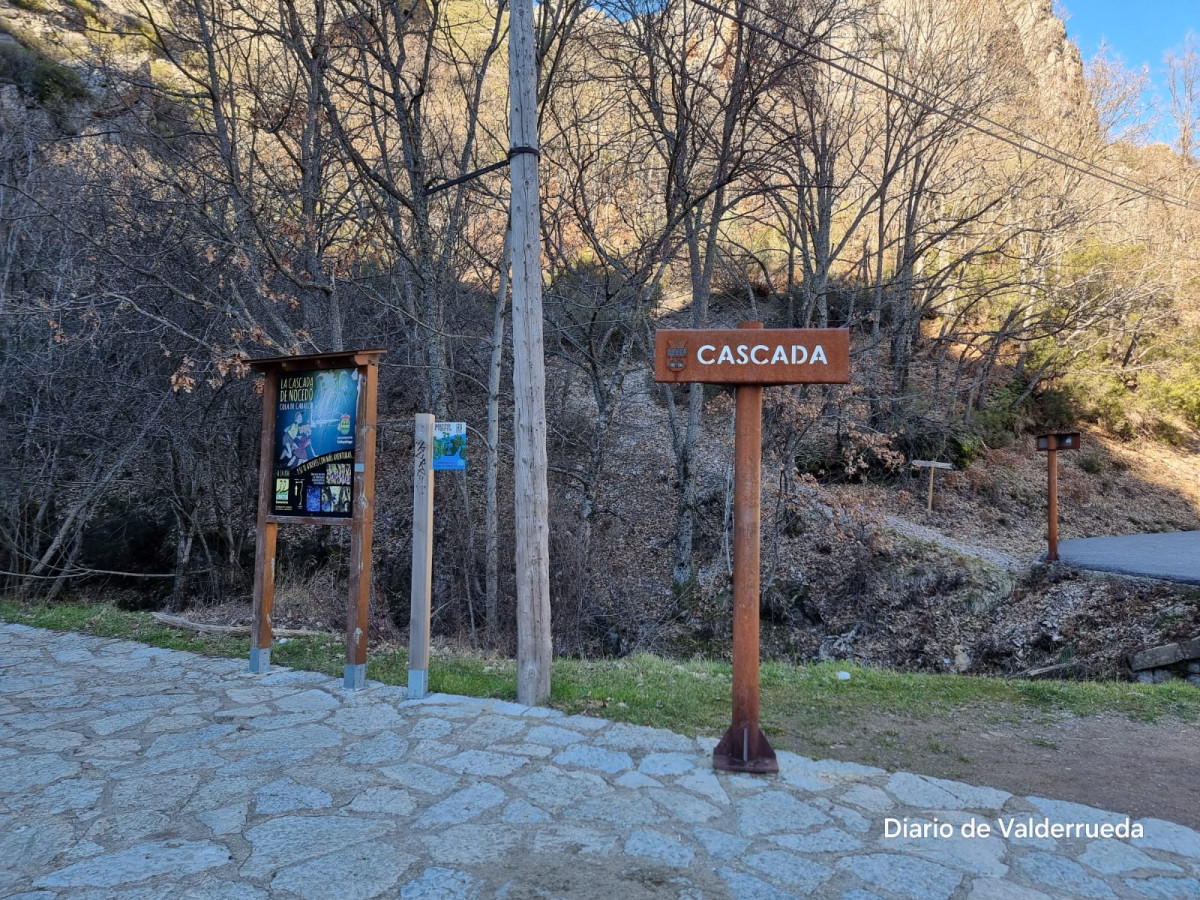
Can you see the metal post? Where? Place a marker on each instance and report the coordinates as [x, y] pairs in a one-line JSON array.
[[1052, 479], [422, 557], [744, 748]]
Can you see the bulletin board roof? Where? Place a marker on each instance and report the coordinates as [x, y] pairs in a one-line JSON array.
[[339, 360]]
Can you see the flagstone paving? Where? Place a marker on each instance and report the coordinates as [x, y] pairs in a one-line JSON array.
[[132, 772]]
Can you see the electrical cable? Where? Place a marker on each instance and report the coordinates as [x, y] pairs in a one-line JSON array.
[[1094, 169], [1058, 156]]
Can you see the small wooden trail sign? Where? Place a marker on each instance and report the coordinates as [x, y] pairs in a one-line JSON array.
[[432, 441], [749, 357], [317, 467], [764, 357], [932, 466]]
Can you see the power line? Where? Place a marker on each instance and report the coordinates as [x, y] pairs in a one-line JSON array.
[[1056, 155], [1092, 167]]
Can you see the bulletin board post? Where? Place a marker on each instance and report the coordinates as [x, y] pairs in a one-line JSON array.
[[317, 467]]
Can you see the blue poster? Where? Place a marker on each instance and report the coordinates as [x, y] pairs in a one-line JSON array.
[[316, 419], [449, 446]]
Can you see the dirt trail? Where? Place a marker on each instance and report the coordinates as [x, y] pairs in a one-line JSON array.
[[1006, 561], [1141, 769]]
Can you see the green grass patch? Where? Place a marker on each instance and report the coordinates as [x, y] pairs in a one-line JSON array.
[[104, 620], [692, 697]]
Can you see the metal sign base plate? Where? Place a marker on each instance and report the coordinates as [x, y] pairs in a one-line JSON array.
[[741, 751], [355, 678]]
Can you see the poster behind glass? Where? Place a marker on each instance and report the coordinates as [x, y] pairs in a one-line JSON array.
[[315, 425]]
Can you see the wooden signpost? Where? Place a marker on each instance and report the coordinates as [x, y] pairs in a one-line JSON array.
[[1050, 444], [932, 466], [437, 446], [317, 467], [749, 357]]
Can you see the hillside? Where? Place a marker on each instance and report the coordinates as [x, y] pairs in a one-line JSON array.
[[857, 570]]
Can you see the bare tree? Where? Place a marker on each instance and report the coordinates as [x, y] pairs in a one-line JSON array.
[[1183, 83]]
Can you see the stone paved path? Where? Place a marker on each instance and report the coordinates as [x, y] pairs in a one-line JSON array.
[[132, 772]]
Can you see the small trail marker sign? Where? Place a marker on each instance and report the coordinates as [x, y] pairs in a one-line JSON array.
[[932, 466], [450, 446], [749, 357], [437, 446]]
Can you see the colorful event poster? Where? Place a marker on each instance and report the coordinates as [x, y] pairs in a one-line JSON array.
[[449, 446], [315, 425]]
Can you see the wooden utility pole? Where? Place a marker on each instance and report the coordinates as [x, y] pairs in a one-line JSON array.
[[529, 376]]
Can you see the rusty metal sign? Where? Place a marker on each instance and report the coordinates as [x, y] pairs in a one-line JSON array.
[[762, 357], [1063, 440]]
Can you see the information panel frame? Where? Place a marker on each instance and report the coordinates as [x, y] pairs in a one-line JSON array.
[[295, 395]]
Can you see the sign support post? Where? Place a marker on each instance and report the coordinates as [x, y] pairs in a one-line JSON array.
[[744, 747], [362, 528], [422, 557], [1050, 444], [264, 546], [1052, 502], [749, 358]]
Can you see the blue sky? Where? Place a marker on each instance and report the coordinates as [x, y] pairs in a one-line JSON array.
[[1140, 31]]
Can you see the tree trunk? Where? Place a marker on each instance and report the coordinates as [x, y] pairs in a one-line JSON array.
[[491, 602]]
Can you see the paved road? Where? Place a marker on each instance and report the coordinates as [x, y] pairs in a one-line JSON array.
[[1171, 555], [132, 772]]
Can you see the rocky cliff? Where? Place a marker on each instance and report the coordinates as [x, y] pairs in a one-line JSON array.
[[1052, 61]]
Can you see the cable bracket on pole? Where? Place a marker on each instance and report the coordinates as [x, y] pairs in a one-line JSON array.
[[471, 176]]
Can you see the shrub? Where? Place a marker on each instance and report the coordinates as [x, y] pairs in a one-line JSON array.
[[53, 86], [1054, 409], [964, 449], [1092, 463], [997, 423]]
